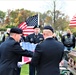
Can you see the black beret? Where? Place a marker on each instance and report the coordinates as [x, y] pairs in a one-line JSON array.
[[49, 27], [36, 26], [16, 30]]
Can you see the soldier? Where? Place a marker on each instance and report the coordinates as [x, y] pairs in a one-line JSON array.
[[35, 38], [48, 54], [10, 52]]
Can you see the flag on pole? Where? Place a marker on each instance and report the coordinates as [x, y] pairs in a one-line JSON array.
[[32, 21], [28, 25], [73, 22]]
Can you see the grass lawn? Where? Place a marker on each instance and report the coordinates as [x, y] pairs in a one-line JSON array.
[[25, 70]]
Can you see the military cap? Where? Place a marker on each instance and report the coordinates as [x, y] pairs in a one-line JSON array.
[[16, 30], [36, 26], [49, 28]]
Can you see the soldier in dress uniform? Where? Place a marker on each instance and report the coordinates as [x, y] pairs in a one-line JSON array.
[[10, 53], [48, 54], [35, 38]]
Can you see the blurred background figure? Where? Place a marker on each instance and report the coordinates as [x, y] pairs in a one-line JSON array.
[[68, 40], [22, 38], [6, 34], [54, 36], [69, 43]]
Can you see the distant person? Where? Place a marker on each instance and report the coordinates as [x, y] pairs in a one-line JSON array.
[[10, 52], [35, 38], [68, 40], [69, 43], [54, 36], [22, 38], [6, 34], [48, 54]]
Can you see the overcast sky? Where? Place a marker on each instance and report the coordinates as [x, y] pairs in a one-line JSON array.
[[67, 6]]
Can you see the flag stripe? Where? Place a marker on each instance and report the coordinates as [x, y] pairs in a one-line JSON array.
[[22, 24], [26, 29], [73, 22]]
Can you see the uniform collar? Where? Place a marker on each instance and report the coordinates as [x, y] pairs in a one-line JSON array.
[[36, 34], [49, 37]]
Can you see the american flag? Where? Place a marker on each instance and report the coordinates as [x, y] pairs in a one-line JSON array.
[[27, 28], [73, 22], [28, 25]]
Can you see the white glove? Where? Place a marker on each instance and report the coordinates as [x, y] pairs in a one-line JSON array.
[[20, 64]]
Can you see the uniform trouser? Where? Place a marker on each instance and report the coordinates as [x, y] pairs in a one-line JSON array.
[[31, 70], [18, 71]]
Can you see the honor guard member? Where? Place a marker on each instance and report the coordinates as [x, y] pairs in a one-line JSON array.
[[48, 54], [35, 38], [10, 52]]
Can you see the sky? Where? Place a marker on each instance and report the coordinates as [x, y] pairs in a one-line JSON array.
[[66, 6]]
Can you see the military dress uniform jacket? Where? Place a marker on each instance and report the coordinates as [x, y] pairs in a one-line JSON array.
[[32, 38], [10, 52], [47, 57]]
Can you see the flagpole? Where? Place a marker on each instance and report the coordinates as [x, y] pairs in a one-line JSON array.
[[38, 19]]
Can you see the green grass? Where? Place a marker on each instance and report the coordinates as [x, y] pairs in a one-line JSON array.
[[25, 70]]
